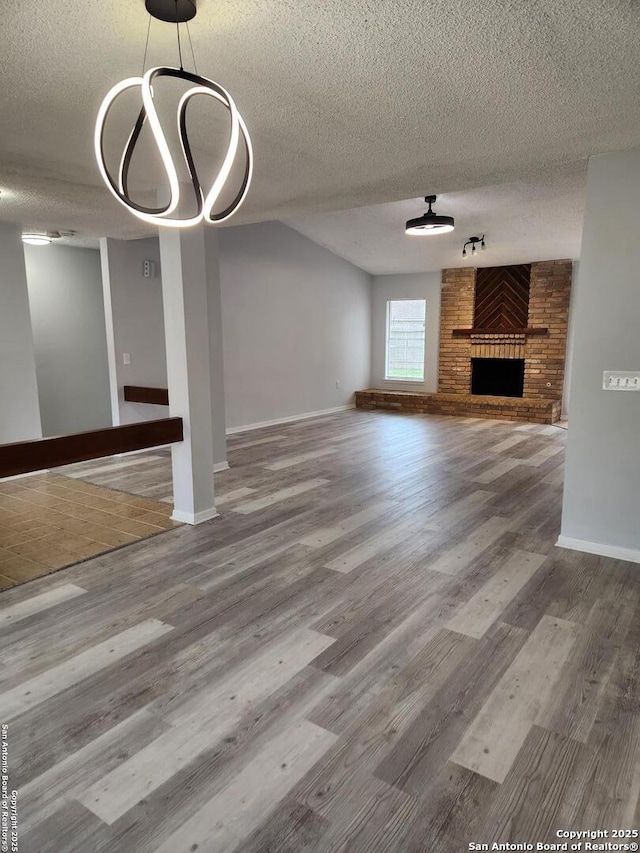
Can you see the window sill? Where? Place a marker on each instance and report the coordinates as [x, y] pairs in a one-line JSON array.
[[406, 381]]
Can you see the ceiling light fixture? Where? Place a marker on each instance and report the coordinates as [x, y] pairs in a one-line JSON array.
[[473, 241], [36, 239], [175, 11], [429, 222]]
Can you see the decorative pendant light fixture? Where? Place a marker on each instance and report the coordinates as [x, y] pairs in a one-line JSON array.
[[177, 12], [429, 222], [473, 241]]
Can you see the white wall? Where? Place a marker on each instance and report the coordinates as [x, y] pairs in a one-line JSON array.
[[424, 286], [135, 324], [601, 510], [296, 320], [19, 407], [65, 295]]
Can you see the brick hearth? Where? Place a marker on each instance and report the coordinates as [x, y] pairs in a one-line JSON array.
[[529, 409]]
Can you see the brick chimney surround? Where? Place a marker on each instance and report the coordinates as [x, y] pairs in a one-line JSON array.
[[542, 345]]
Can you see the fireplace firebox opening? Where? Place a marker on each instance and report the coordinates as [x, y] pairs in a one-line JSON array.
[[498, 377]]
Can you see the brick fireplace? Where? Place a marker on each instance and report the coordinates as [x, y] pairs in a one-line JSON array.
[[512, 328], [542, 348]]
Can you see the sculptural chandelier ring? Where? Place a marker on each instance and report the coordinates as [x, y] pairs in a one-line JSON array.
[[206, 203]]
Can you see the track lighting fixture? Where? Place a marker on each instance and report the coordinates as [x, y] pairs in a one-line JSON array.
[[177, 12], [429, 222], [473, 241]]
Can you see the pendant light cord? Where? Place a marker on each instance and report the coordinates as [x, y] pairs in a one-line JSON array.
[[146, 47], [178, 32], [193, 56]]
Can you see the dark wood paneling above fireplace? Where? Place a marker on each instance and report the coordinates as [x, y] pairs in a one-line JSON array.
[[502, 298]]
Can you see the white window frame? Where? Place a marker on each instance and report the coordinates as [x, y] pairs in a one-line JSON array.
[[395, 379]]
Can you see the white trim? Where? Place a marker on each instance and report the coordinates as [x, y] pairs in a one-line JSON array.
[[289, 419], [220, 466], [386, 341], [631, 555], [194, 518]]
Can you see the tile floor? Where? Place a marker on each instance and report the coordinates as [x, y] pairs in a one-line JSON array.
[[49, 521]]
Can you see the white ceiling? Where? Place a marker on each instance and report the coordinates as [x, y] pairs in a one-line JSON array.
[[533, 219], [348, 103]]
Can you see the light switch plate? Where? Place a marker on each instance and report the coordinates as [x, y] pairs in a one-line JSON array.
[[126, 358], [621, 380]]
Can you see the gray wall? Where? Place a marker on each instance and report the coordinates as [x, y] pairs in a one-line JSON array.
[[425, 286], [296, 320], [135, 324], [216, 349], [602, 483], [65, 294], [19, 408]]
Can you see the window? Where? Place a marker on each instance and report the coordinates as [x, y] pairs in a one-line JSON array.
[[405, 339]]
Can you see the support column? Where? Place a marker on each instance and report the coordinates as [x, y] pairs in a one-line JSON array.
[[215, 348], [19, 404], [186, 321], [107, 286]]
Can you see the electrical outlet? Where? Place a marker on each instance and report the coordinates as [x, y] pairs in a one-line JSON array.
[[338, 383]]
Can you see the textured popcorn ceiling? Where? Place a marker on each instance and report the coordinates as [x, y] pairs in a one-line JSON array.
[[349, 104], [533, 219]]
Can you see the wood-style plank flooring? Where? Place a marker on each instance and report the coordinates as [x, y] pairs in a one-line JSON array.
[[375, 647]]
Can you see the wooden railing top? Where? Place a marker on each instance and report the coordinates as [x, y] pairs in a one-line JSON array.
[[142, 394], [40, 454]]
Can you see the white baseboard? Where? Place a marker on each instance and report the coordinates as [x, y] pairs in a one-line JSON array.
[[289, 419], [631, 555], [220, 466], [193, 518]]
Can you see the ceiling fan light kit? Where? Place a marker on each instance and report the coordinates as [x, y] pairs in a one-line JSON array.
[[429, 223]]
